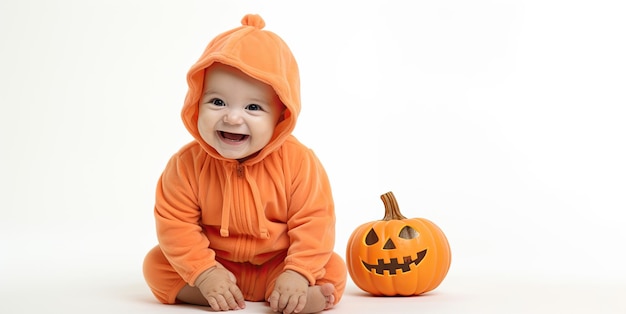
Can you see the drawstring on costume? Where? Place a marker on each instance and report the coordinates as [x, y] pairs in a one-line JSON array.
[[226, 207]]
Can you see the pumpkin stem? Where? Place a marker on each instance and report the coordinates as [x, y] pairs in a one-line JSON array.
[[392, 210]]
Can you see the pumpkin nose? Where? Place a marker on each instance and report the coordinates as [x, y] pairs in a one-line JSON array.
[[389, 245]]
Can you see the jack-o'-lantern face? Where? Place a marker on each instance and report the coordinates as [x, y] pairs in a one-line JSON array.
[[401, 249]]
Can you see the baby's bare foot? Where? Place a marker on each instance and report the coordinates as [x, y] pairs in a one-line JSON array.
[[319, 298]]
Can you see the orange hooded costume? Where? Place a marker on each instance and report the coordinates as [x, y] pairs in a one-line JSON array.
[[269, 213]]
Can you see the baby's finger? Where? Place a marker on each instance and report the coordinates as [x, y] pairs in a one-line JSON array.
[[273, 300], [213, 303], [238, 296], [222, 304], [235, 302], [301, 303], [283, 301], [291, 304]]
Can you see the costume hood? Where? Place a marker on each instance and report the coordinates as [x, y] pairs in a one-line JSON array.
[[260, 54]]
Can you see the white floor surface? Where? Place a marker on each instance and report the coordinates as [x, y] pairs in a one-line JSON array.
[[127, 293]]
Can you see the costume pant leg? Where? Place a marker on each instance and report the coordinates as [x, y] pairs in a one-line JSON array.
[[336, 274], [166, 283], [161, 277]]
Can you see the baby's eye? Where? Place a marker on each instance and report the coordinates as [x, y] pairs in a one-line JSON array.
[[254, 107], [217, 102]]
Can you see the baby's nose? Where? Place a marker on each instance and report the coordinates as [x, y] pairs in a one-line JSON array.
[[233, 117]]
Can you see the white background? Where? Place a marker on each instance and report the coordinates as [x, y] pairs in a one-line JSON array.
[[501, 121]]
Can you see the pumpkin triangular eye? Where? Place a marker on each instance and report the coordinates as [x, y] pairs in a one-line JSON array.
[[371, 237], [408, 233]]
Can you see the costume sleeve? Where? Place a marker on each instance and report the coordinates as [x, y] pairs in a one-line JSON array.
[[311, 219], [177, 216]]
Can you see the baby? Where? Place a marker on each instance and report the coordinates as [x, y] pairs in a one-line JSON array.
[[245, 211]]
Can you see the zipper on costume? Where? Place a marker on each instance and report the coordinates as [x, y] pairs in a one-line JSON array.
[[240, 170]]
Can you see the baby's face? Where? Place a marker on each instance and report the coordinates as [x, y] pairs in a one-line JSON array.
[[237, 113]]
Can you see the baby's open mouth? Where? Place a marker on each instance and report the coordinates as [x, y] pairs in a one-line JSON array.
[[233, 137]]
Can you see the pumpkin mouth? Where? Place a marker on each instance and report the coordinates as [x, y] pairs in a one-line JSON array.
[[393, 266]]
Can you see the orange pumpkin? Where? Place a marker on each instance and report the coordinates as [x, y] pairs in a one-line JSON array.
[[397, 256]]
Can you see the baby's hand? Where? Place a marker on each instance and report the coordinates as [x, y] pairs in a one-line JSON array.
[[219, 287], [290, 291]]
